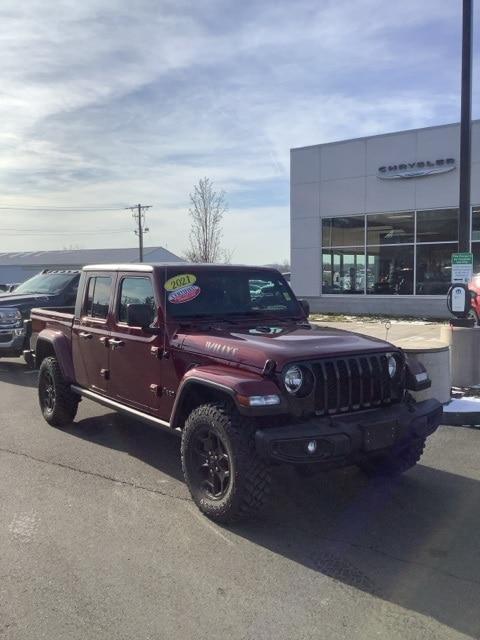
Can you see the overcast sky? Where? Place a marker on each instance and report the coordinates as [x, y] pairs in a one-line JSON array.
[[109, 103]]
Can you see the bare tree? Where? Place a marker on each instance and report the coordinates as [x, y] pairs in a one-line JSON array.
[[283, 266], [206, 211]]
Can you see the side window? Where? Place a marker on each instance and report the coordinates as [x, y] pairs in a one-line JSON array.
[[135, 291], [98, 296]]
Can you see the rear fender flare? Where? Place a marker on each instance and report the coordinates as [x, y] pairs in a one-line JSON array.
[[55, 343]]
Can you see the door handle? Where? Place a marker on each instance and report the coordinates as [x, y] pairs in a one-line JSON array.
[[85, 335], [115, 344], [104, 340]]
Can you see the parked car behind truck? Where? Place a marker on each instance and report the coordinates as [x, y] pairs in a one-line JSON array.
[[224, 357], [49, 288]]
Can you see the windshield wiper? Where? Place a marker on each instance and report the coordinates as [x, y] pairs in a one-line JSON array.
[[187, 320]]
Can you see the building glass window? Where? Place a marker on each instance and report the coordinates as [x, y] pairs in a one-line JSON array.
[[404, 253], [475, 224], [437, 225], [390, 270], [390, 228], [434, 268], [347, 231], [343, 270]]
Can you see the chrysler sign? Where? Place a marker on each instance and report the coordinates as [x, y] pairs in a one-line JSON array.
[[416, 169]]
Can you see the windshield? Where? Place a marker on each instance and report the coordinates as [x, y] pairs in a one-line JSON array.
[[227, 292], [46, 283]]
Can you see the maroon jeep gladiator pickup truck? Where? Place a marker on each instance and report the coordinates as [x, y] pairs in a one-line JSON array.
[[224, 356]]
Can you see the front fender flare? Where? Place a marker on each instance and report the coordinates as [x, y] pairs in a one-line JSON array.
[[231, 382]]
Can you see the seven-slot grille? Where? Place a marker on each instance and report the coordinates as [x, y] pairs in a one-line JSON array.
[[351, 383]]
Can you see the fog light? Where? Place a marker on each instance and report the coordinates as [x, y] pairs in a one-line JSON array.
[[312, 446]]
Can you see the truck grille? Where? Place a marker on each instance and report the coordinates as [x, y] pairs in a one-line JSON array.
[[349, 384]]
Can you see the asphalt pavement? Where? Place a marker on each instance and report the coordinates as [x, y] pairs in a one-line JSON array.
[[99, 539]]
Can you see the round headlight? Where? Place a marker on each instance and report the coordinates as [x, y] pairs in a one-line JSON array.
[[392, 366], [293, 379]]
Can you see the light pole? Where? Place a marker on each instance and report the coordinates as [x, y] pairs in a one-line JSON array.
[[464, 222]]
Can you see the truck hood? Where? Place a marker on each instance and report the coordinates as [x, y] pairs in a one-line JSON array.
[[23, 301], [255, 345]]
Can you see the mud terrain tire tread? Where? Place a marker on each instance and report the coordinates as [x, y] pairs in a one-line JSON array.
[[251, 477]]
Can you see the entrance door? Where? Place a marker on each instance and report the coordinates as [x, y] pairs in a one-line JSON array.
[[135, 367], [90, 335]]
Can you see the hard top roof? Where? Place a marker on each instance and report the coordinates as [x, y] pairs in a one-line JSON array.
[[171, 265]]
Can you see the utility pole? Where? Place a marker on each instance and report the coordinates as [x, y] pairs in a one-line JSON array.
[[139, 217], [464, 221]]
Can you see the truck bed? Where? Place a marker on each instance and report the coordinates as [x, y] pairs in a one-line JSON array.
[[54, 318]]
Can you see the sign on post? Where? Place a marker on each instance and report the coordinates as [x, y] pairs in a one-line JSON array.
[[462, 267]]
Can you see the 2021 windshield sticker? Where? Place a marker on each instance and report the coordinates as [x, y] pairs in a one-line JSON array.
[[180, 280], [182, 288]]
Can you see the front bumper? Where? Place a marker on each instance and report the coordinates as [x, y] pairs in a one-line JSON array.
[[11, 341], [342, 440]]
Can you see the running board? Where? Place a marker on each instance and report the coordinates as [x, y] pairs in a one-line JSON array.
[[112, 404]]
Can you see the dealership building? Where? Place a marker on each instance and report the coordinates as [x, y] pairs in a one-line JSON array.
[[374, 221]]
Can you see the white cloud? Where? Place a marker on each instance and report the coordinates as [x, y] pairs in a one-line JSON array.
[[114, 103]]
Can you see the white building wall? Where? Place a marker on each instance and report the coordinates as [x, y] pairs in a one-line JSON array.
[[340, 178]]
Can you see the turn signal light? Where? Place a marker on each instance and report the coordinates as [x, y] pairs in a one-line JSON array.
[[258, 401]]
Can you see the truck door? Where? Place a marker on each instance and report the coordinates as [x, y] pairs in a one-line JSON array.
[[135, 368], [91, 333]]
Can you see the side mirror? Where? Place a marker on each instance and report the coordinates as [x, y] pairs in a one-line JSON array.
[[305, 306], [139, 315]]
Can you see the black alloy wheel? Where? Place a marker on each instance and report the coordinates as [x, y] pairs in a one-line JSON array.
[[212, 463], [47, 393]]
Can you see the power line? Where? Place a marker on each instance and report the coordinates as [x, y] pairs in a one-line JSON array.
[[139, 217], [43, 208], [13, 232], [28, 230]]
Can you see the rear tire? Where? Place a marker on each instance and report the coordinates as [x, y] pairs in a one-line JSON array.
[[57, 402], [227, 479], [396, 462]]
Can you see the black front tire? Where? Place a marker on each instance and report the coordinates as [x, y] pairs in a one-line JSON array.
[[57, 402], [244, 484], [396, 462]]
